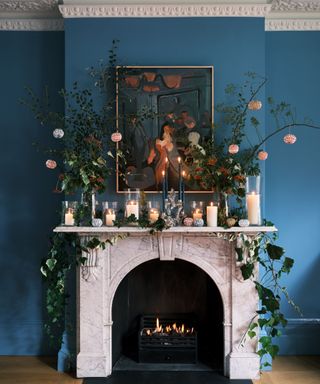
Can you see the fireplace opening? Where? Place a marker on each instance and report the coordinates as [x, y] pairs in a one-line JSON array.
[[167, 312], [168, 339]]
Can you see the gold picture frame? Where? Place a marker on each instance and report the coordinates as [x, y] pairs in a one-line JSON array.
[[161, 111]]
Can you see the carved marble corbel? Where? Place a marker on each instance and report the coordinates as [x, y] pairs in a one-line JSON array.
[[89, 266]]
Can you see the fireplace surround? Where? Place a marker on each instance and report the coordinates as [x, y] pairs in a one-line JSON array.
[[206, 248]]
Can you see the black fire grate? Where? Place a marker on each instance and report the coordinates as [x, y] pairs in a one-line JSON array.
[[176, 344]]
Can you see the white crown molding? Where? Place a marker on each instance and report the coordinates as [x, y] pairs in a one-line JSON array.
[[165, 10], [295, 6], [280, 15], [31, 25], [28, 6], [292, 25]]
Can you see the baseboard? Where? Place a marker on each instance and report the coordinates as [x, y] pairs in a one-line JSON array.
[[300, 337]]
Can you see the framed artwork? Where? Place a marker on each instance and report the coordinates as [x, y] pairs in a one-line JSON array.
[[161, 113]]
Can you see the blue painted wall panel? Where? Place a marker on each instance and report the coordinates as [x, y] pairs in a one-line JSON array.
[[293, 178], [27, 205]]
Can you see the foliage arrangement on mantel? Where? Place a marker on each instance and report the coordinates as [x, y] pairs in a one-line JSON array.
[[84, 164]]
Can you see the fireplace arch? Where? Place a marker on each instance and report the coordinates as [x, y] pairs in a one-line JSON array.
[[161, 288]]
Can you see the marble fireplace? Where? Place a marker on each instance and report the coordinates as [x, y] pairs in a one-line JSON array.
[[204, 248]]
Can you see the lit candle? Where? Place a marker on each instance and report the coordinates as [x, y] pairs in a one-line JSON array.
[[180, 179], [166, 174], [212, 215], [153, 215], [253, 207], [182, 186], [132, 208], [110, 217], [68, 217], [197, 214], [163, 188]]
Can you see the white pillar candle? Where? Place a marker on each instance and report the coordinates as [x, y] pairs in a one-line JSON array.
[[68, 218], [153, 215], [197, 214], [253, 207], [110, 217], [212, 215], [132, 208]]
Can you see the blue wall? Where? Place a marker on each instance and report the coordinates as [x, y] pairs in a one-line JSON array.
[[234, 46], [27, 205], [293, 177]]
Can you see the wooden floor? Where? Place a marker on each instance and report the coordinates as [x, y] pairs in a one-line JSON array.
[[38, 370]]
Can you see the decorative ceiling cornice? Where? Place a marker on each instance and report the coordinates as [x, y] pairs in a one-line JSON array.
[[286, 15], [292, 25], [28, 6], [31, 25], [295, 6], [165, 10]]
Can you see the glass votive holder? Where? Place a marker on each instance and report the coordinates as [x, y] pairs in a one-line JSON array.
[[253, 199], [68, 212], [153, 211], [132, 205], [109, 212], [197, 209]]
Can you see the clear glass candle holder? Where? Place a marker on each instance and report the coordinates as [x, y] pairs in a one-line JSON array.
[[253, 199], [68, 212], [109, 212], [153, 211], [197, 208], [132, 206]]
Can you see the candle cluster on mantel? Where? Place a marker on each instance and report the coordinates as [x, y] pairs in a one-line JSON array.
[[200, 213]]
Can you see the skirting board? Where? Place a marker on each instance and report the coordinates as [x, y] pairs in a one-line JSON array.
[[300, 337]]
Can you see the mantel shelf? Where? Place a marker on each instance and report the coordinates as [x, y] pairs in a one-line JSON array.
[[195, 230]]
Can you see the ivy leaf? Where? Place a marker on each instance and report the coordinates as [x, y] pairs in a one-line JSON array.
[[84, 177], [239, 253], [274, 251], [51, 263], [247, 271], [93, 243], [43, 271], [251, 334], [287, 265]]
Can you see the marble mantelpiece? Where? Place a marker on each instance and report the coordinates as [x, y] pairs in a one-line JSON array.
[[105, 268]]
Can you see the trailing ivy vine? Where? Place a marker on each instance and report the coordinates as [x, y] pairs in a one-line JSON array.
[[262, 250]]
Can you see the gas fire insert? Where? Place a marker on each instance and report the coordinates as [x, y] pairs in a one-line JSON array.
[[168, 339]]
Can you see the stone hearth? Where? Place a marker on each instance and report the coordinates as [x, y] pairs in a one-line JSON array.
[[99, 279]]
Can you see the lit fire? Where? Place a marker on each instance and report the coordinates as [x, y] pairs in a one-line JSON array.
[[173, 329]]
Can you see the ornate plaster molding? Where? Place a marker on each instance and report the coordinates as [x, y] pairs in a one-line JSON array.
[[292, 25], [295, 6], [28, 6], [31, 25], [165, 10]]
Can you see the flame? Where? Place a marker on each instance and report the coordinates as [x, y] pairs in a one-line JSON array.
[[169, 329]]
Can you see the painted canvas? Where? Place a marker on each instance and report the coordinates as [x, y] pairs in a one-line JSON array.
[[161, 113]]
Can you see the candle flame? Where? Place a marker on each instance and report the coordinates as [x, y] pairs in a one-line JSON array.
[[163, 173], [179, 159], [211, 204], [166, 159], [184, 173]]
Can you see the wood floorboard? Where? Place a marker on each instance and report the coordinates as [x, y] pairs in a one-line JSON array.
[[41, 370]]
